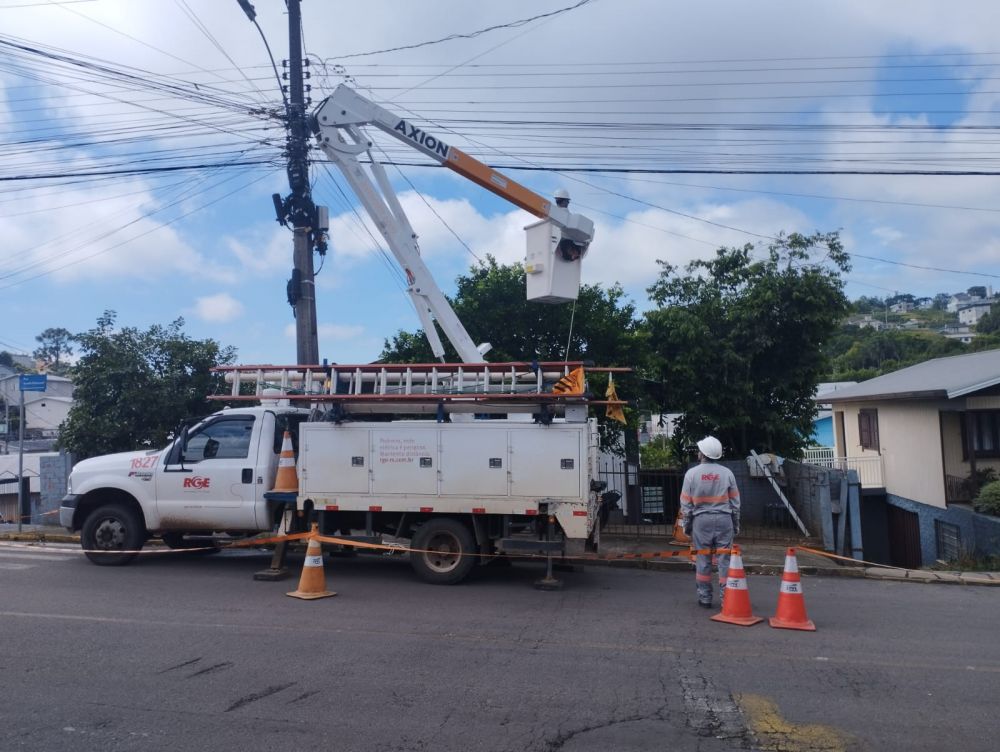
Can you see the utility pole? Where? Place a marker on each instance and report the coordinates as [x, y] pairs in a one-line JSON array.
[[299, 207], [309, 222]]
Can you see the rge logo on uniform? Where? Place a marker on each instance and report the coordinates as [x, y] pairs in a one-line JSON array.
[[197, 482], [710, 476]]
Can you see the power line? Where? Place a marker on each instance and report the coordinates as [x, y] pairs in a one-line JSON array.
[[469, 35]]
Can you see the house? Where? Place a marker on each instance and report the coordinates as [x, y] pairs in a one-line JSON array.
[[822, 435], [903, 306], [962, 333], [46, 410], [970, 313], [934, 427], [960, 299]]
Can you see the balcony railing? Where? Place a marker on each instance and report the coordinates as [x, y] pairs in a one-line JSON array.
[[869, 469]]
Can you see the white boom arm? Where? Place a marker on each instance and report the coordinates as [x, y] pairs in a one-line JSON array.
[[337, 123]]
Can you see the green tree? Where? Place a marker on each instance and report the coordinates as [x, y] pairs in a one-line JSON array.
[[602, 326], [989, 323], [133, 387], [739, 340], [6, 359], [53, 344]]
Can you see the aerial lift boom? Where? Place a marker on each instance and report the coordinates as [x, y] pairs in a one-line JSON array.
[[337, 123]]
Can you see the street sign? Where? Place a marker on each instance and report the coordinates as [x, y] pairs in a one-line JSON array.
[[34, 382]]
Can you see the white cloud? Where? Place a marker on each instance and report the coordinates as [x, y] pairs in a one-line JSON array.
[[219, 308]]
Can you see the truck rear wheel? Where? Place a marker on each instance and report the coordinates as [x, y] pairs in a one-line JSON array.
[[112, 535], [445, 555]]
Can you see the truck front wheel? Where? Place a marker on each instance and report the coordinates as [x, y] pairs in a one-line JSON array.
[[112, 535], [444, 552]]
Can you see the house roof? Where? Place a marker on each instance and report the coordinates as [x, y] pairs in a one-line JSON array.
[[933, 379]]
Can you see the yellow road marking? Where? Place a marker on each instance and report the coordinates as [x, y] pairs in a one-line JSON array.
[[775, 733]]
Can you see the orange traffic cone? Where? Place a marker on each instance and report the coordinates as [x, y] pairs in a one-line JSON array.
[[287, 480], [791, 612], [680, 537], [312, 583], [736, 596]]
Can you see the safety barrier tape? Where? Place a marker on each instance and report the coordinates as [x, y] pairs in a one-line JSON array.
[[828, 555], [391, 548]]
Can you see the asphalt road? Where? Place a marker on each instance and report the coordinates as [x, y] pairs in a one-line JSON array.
[[189, 653]]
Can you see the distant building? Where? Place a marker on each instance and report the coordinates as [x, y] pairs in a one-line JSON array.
[[44, 411], [970, 313], [903, 306], [960, 299], [962, 333]]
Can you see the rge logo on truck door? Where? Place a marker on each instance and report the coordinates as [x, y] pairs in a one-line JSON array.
[[197, 482]]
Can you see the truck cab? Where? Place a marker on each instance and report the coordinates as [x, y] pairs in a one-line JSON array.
[[212, 478]]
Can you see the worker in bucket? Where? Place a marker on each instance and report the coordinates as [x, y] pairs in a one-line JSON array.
[[710, 510]]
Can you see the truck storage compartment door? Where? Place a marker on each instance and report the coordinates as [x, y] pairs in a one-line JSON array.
[[404, 461], [474, 461], [546, 462], [336, 459]]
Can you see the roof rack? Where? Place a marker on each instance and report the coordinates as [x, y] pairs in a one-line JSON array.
[[420, 387]]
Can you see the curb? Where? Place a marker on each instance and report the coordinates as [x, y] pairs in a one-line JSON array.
[[40, 537]]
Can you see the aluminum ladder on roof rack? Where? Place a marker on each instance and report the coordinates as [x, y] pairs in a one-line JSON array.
[[501, 384]]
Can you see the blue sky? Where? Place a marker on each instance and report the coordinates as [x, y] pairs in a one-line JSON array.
[[635, 84]]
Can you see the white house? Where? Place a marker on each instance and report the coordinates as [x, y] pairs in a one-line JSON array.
[[933, 427], [44, 411], [970, 313]]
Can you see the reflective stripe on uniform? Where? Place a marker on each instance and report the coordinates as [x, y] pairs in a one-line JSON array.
[[703, 577]]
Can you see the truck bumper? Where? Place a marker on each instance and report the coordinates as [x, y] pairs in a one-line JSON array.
[[66, 511]]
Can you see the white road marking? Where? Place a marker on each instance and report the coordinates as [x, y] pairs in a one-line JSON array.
[[16, 566]]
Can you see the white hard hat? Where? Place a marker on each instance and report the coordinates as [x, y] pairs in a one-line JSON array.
[[562, 193], [711, 447]]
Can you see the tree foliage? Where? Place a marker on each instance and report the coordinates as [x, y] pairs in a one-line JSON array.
[[133, 387], [739, 340], [858, 354], [989, 323], [602, 326], [53, 344]]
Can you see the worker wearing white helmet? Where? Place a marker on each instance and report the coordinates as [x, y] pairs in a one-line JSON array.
[[562, 198], [710, 511]]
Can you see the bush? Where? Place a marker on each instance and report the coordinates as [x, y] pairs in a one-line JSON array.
[[988, 500]]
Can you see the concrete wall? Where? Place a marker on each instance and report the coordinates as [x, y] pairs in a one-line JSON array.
[[980, 533], [53, 474]]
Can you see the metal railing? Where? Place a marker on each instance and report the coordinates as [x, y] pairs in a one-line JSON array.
[[869, 469], [818, 455]]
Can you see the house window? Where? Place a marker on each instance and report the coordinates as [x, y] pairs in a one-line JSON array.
[[868, 429], [985, 433]]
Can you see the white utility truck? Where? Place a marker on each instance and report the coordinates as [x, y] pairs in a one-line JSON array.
[[466, 460]]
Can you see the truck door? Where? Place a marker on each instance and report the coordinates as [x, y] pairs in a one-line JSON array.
[[213, 485]]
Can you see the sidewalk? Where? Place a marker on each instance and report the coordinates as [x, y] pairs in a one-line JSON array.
[[758, 558], [769, 559]]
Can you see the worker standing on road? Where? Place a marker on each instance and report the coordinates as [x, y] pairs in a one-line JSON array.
[[710, 510]]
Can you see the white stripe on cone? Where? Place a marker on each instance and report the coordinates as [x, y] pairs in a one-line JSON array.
[[793, 588], [791, 564], [736, 583]]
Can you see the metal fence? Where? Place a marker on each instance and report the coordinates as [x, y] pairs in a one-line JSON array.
[[869, 469], [650, 500]]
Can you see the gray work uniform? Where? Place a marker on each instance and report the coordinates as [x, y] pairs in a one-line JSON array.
[[710, 500]]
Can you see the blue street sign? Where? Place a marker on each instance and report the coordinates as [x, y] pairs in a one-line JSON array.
[[32, 382]]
